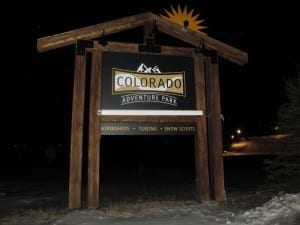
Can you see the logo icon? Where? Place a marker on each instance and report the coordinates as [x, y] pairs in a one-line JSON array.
[[148, 84], [185, 18]]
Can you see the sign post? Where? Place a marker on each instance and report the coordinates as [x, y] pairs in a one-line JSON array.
[[147, 93], [146, 89]]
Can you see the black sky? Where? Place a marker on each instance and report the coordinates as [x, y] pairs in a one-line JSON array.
[[38, 86]]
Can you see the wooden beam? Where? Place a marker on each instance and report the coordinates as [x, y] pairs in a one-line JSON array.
[[224, 50], [201, 149], [93, 197], [134, 48], [148, 30], [95, 31], [91, 32], [215, 142], [77, 133]]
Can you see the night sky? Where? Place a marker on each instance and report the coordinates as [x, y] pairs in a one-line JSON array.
[[38, 86]]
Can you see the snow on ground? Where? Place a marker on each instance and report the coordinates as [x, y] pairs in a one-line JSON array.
[[280, 210]]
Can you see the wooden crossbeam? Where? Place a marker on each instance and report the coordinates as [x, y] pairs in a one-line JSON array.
[[91, 32], [224, 50], [95, 31]]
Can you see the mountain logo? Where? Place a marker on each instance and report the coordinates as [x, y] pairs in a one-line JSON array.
[[144, 69]]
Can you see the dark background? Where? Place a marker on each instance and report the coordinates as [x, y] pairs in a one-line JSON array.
[[37, 87]]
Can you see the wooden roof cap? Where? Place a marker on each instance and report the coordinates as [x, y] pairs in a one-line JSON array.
[[126, 23]]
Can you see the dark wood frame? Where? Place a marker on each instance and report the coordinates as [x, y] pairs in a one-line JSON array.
[[209, 159]]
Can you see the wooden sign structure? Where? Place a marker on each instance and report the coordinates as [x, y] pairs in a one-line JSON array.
[[206, 116]]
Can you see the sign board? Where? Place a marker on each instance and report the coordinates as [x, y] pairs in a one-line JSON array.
[[139, 93], [145, 81], [135, 84], [149, 128]]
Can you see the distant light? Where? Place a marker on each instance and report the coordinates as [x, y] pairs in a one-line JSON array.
[[232, 136], [238, 131], [276, 128], [239, 145]]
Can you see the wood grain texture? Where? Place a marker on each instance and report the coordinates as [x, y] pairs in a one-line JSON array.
[[96, 31], [214, 126], [201, 148], [93, 195], [77, 133]]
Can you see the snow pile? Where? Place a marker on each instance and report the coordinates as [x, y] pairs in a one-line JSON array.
[[279, 210]]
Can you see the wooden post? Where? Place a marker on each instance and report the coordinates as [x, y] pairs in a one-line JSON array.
[[93, 197], [77, 132], [201, 151], [209, 159], [215, 142], [148, 31]]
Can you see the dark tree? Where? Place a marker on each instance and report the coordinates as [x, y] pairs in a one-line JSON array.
[[284, 170]]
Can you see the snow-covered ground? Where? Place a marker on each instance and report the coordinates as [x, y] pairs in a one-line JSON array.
[[163, 197], [280, 210]]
